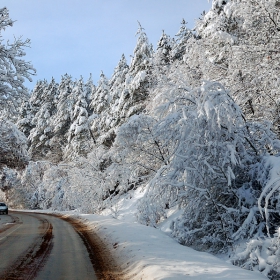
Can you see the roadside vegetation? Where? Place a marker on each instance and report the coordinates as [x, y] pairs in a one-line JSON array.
[[194, 122]]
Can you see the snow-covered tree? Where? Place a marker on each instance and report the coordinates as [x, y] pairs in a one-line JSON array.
[[181, 42], [10, 187], [13, 145], [111, 117], [137, 79], [42, 132], [25, 118], [80, 139], [209, 172], [99, 103], [61, 119], [117, 84], [102, 95], [142, 52], [236, 44], [36, 96], [13, 69], [140, 146], [163, 54], [90, 90]]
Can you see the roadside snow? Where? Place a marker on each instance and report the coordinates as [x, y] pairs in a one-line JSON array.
[[148, 253]]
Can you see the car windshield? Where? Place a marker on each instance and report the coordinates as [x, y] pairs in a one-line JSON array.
[[2, 204]]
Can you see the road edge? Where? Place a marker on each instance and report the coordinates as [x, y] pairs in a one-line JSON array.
[[105, 265]]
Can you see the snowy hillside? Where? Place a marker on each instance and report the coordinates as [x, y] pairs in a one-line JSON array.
[[186, 136]]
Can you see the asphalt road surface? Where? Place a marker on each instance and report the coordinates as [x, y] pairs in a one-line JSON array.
[[37, 246]]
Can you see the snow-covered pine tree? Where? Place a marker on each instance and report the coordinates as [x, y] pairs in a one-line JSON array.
[[90, 90], [180, 46], [142, 53], [137, 78], [80, 139], [162, 56], [25, 118], [118, 79], [42, 132], [162, 63], [102, 95], [110, 118], [60, 122], [35, 98], [99, 103]]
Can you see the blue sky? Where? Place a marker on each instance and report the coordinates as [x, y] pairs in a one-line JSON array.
[[80, 37]]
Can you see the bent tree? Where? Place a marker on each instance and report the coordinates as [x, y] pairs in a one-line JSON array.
[[13, 71]]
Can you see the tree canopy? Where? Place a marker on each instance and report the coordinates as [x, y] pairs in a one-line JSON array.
[[13, 71]]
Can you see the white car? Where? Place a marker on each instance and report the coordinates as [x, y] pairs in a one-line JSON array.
[[3, 208]]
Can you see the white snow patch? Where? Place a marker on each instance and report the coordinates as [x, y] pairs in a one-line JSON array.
[[147, 253]]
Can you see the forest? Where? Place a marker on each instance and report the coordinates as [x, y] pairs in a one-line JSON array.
[[194, 122]]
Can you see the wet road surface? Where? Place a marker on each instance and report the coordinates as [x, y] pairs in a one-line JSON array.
[[37, 246]]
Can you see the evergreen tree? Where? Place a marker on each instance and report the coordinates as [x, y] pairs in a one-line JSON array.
[[90, 90], [80, 139], [25, 118], [42, 132], [142, 52], [162, 60], [163, 55], [137, 79], [180, 46], [118, 78], [36, 96], [61, 120], [102, 95], [117, 86]]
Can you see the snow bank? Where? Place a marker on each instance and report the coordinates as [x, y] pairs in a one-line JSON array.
[[147, 253]]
